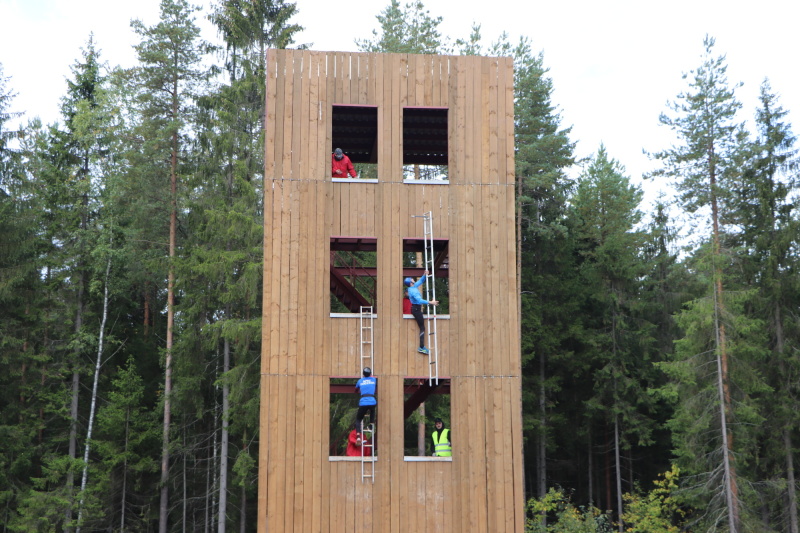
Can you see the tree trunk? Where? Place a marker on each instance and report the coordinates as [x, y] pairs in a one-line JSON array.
[[93, 405], [173, 227], [214, 457], [124, 474], [590, 465], [541, 445], [607, 456], [790, 481], [184, 503], [791, 490], [73, 409], [421, 431], [146, 311], [243, 509], [223, 452], [731, 486], [210, 473], [618, 468]]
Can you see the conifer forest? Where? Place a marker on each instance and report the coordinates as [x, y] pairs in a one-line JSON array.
[[660, 343]]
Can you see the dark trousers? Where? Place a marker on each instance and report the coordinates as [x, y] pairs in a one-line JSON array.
[[363, 410], [416, 310]]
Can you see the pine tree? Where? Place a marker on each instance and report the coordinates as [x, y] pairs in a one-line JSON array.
[[168, 77], [704, 165]]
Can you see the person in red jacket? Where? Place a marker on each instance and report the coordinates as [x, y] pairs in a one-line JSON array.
[[354, 441], [406, 303], [341, 166]]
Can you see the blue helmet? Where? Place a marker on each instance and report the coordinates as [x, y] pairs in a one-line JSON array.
[[408, 282]]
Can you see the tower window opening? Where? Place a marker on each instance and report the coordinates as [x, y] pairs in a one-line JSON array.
[[355, 131], [343, 404], [353, 274], [414, 267], [423, 404], [425, 143]]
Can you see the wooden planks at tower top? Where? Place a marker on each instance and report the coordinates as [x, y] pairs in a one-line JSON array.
[[301, 488]]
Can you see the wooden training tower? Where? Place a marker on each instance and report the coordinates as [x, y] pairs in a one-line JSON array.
[[389, 110]]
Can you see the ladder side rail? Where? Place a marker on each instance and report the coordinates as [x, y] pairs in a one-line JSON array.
[[371, 339], [368, 459], [361, 339], [435, 344], [430, 294], [426, 219], [367, 337]]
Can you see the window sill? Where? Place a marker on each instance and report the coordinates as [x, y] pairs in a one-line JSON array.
[[353, 180], [428, 182], [375, 315]]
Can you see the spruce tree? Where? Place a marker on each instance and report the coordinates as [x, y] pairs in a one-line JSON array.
[[127, 435], [543, 152], [766, 210], [221, 271], [409, 29], [618, 336]]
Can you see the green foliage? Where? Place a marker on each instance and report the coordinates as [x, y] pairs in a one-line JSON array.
[[249, 27], [618, 328], [657, 511], [555, 513], [708, 158], [616, 339], [407, 30]]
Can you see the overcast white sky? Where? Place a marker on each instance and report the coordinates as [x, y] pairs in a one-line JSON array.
[[614, 63]]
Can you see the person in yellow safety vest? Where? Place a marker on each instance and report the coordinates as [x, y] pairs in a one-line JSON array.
[[441, 440]]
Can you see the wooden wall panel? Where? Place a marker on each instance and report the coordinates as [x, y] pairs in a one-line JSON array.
[[271, 117], [300, 489], [315, 123], [456, 247], [491, 133], [483, 86]]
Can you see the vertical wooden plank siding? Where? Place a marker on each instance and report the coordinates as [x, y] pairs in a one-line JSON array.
[[300, 487], [313, 160]]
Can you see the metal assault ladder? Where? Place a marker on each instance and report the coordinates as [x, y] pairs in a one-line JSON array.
[[368, 452], [367, 337], [430, 294], [367, 352]]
